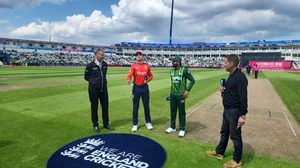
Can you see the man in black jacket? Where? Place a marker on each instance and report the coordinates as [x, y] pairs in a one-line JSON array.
[[248, 69], [235, 104], [95, 74]]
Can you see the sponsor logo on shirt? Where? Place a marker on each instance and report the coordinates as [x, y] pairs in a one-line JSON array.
[[176, 79], [141, 73]]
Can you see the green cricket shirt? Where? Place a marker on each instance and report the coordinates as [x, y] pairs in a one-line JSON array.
[[179, 79]]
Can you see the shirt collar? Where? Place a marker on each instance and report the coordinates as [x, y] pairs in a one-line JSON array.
[[97, 62], [237, 69]]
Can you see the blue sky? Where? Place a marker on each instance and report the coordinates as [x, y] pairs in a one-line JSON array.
[[107, 22], [55, 12]]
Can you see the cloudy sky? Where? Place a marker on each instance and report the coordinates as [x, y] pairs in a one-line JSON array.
[[106, 22]]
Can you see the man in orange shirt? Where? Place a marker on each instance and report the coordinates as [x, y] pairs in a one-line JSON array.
[[142, 75]]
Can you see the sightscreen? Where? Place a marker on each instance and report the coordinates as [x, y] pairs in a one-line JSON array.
[[266, 56]]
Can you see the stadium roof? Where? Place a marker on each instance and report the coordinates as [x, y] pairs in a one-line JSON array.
[[203, 44], [48, 42]]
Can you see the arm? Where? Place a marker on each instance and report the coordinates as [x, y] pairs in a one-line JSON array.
[[149, 74], [87, 73], [130, 74], [106, 71], [242, 84], [190, 78]]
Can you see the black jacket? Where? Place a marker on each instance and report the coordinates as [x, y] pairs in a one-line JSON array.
[[236, 93], [248, 68], [96, 76]]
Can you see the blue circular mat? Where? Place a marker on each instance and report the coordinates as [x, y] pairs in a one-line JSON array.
[[109, 150]]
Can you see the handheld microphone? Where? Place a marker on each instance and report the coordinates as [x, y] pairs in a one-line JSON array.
[[222, 82], [145, 79]]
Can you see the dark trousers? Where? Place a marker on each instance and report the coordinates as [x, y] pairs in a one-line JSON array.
[[137, 93], [256, 74], [248, 72], [94, 99], [177, 103], [229, 127]]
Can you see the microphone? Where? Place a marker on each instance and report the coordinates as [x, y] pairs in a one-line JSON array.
[[222, 82], [145, 79], [168, 99]]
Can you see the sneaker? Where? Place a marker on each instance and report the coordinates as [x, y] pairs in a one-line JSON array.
[[181, 134], [232, 164], [149, 126], [214, 154], [96, 129], [134, 128], [169, 130]]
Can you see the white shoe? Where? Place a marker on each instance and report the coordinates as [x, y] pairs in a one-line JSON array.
[[134, 128], [149, 126], [169, 130], [181, 134]]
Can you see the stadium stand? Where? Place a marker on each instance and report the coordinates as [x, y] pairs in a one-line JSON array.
[[66, 59], [19, 52]]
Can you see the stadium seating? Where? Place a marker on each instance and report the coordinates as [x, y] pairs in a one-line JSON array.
[[80, 59], [67, 59]]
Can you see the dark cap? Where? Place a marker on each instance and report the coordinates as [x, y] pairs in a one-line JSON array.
[[176, 58]]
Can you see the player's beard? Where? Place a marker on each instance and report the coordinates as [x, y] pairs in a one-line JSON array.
[[175, 65]]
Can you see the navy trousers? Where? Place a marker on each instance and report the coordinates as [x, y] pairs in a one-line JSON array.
[[230, 127], [137, 93]]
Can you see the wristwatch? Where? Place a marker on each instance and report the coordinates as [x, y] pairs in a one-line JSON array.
[[243, 116]]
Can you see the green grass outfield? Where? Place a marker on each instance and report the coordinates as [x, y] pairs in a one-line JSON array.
[[37, 121]]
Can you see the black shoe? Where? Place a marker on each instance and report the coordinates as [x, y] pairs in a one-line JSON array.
[[109, 127], [96, 129]]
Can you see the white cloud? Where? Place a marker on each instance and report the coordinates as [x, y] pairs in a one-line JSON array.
[[194, 20], [4, 21]]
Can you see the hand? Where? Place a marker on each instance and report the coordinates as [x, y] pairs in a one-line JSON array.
[[128, 82], [145, 81], [222, 89], [241, 121], [185, 95]]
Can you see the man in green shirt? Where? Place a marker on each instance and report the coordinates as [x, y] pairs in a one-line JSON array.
[[179, 92]]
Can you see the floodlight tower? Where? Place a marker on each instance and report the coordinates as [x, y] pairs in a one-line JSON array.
[[50, 36], [171, 24]]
